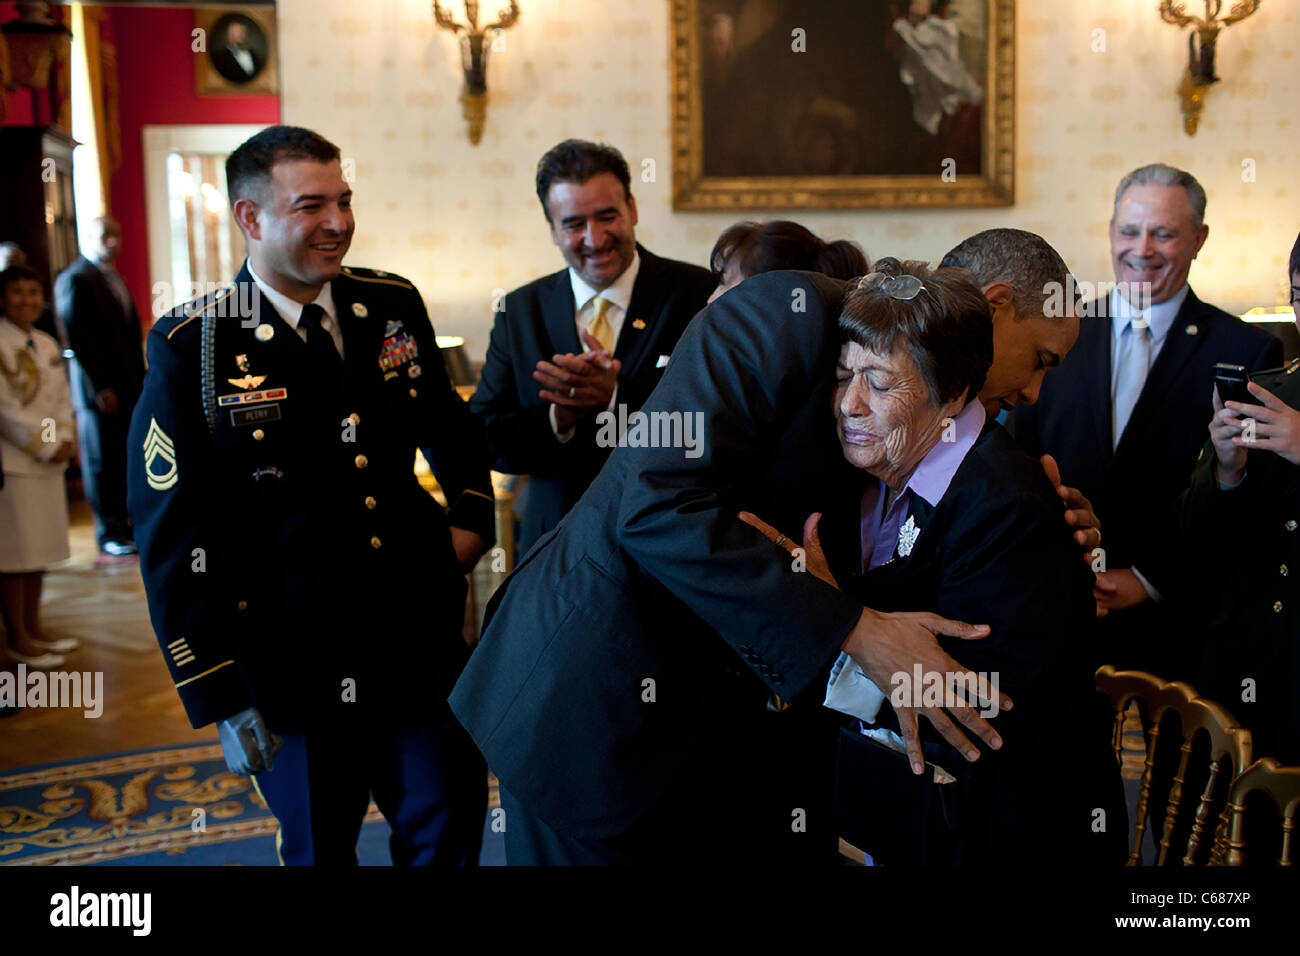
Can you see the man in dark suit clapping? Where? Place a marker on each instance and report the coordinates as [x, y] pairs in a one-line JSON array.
[[591, 337]]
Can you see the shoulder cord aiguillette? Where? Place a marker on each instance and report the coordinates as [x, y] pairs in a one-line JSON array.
[[207, 369]]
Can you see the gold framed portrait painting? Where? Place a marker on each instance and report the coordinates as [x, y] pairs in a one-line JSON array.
[[785, 104], [239, 54]]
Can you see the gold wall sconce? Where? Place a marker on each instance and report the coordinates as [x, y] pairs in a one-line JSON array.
[[1200, 63], [475, 44]]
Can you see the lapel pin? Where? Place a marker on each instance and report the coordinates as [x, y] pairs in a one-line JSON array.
[[264, 332], [1191, 330], [359, 310], [638, 324]]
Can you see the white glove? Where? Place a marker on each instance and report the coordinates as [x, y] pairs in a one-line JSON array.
[[247, 743]]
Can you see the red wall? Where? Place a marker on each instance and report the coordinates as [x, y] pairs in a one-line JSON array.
[[156, 82], [156, 76]]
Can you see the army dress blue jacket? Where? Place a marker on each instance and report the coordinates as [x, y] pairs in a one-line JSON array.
[[291, 560]]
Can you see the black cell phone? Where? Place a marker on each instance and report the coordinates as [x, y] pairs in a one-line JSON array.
[[1231, 381]]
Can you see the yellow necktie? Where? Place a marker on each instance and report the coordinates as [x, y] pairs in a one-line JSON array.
[[599, 327]]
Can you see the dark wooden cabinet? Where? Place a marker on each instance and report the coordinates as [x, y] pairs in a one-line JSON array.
[[36, 209]]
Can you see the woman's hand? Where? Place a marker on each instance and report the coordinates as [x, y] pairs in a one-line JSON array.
[[813, 556], [1224, 427], [1277, 426]]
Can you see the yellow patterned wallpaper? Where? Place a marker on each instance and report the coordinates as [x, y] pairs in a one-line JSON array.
[[462, 222]]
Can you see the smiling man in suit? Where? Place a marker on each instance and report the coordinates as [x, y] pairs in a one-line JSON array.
[[1126, 413], [591, 337]]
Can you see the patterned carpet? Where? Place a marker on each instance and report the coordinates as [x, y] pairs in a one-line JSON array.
[[171, 806]]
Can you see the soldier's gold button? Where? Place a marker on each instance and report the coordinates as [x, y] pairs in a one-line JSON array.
[[370, 502], [1290, 525], [375, 542], [1277, 607], [361, 461], [242, 605], [1283, 571], [354, 418], [258, 434], [414, 392]]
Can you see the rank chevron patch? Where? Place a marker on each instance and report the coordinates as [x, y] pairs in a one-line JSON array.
[[157, 445]]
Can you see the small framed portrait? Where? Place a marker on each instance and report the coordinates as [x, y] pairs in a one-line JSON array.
[[238, 54]]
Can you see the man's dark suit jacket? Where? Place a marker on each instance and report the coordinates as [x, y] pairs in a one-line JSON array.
[[105, 338], [652, 577], [1140, 478], [537, 322], [995, 551]]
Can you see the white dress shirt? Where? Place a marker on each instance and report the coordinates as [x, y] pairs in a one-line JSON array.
[[619, 297], [291, 311]]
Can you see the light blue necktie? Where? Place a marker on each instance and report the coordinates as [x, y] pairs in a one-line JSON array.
[[1130, 373]]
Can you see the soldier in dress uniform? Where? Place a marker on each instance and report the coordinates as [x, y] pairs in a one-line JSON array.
[[307, 594]]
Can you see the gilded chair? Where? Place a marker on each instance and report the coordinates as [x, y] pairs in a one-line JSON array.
[[1282, 785], [1230, 752]]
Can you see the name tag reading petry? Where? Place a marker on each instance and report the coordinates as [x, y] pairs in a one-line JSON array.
[[256, 415]]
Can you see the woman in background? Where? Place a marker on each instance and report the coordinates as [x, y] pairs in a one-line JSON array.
[[751, 248], [36, 444]]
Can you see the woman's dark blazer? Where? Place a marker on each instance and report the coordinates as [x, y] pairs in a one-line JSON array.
[[996, 550]]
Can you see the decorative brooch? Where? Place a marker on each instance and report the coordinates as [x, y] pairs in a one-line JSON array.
[[907, 535]]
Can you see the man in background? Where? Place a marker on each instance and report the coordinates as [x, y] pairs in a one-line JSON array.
[[107, 370], [1126, 413], [592, 337]]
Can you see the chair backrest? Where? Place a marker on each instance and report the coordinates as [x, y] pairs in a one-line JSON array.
[[1230, 751], [1282, 784]]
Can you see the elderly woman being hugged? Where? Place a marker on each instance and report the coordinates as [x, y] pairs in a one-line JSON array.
[[952, 517]]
